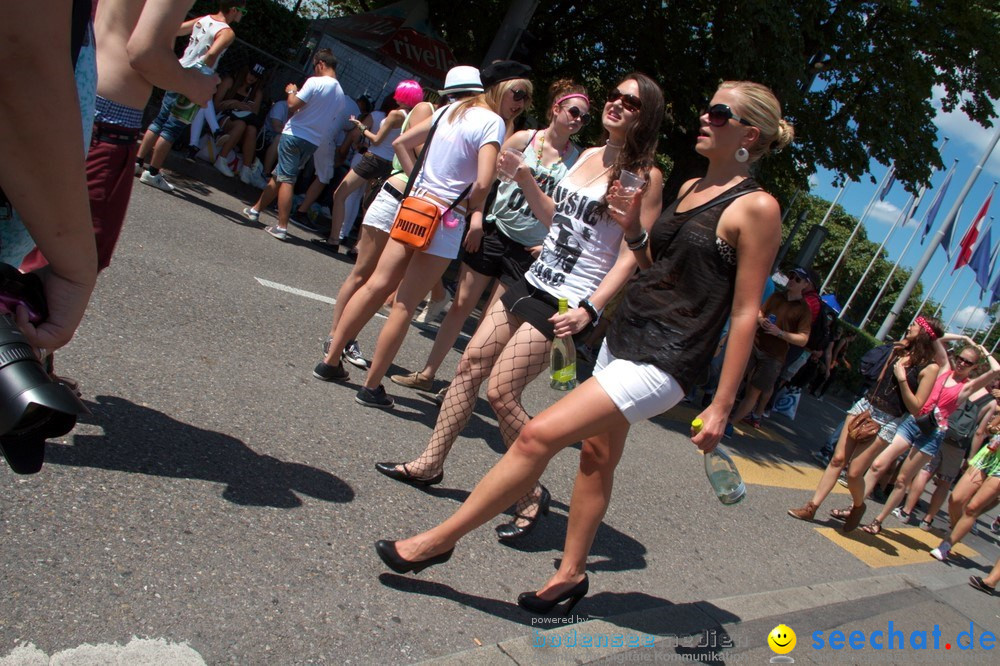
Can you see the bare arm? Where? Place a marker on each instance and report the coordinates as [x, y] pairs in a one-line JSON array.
[[983, 430], [392, 121], [151, 51], [982, 380], [44, 153], [914, 402], [649, 213], [485, 174], [187, 26], [757, 220], [577, 319]]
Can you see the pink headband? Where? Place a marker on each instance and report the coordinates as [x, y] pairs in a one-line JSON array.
[[922, 323], [566, 97]]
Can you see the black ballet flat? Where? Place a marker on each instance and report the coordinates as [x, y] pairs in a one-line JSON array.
[[530, 601], [387, 551], [389, 469], [511, 531]]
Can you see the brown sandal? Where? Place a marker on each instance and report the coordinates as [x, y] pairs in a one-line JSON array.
[[808, 512], [840, 514], [874, 527], [854, 518]]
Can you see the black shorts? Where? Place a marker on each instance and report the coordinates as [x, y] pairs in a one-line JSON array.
[[251, 119], [500, 257], [372, 166], [535, 306]]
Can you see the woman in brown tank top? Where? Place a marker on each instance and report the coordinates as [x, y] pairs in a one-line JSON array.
[[742, 124]]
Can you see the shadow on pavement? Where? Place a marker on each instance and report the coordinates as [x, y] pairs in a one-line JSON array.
[[141, 440]]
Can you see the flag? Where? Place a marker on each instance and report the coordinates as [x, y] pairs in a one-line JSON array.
[[969, 240], [888, 184], [916, 204], [995, 296], [936, 206], [980, 261]]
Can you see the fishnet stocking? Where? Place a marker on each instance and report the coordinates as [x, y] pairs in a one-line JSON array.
[[524, 357], [456, 410]]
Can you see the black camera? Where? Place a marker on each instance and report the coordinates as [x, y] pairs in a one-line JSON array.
[[33, 407]]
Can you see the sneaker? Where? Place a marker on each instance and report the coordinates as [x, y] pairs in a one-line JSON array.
[[374, 398], [352, 354], [330, 373], [222, 167], [157, 181], [139, 169], [301, 220], [941, 552], [842, 479], [995, 525], [414, 380], [752, 421], [190, 154], [901, 515], [251, 214], [430, 313], [767, 413], [246, 175], [259, 181], [277, 232], [821, 458]]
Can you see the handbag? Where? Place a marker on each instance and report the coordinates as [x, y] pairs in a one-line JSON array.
[[863, 427], [418, 218], [927, 423]]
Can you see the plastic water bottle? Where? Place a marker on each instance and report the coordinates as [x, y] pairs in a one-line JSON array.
[[184, 109], [722, 472], [562, 362]]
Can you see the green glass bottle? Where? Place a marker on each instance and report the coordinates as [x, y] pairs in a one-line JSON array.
[[562, 363]]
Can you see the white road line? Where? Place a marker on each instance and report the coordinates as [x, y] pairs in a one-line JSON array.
[[297, 292]]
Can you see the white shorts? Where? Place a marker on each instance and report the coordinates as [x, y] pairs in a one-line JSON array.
[[382, 211], [447, 242], [323, 160], [639, 390]]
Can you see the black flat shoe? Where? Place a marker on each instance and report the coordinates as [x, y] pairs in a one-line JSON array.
[[387, 551], [511, 531], [389, 469], [532, 602], [325, 245]]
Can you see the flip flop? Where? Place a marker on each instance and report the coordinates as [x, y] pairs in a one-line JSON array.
[[325, 245], [980, 584]]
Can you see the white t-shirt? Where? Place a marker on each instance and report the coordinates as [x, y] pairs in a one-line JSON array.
[[582, 244], [279, 112], [202, 37], [452, 162], [324, 100]]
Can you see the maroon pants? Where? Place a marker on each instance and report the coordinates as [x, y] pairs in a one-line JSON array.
[[109, 179]]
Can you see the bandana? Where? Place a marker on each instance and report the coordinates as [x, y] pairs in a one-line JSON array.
[[922, 323]]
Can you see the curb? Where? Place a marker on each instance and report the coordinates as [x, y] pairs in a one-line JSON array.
[[643, 628]]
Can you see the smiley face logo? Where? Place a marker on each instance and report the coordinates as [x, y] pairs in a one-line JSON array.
[[781, 640]]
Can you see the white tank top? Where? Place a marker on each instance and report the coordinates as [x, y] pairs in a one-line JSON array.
[[582, 244], [202, 36], [384, 149]]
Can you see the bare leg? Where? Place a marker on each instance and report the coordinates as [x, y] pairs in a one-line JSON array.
[[285, 193], [470, 287], [985, 495], [235, 132], [271, 156], [962, 494], [994, 578], [480, 355], [914, 461], [160, 151], [857, 471], [351, 182], [249, 146], [749, 400], [312, 193], [585, 412], [267, 195], [366, 301], [937, 499], [422, 270], [884, 462], [146, 147], [438, 292], [832, 472], [917, 487], [370, 247]]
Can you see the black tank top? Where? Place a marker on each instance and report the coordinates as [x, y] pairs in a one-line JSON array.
[[886, 394], [673, 312]]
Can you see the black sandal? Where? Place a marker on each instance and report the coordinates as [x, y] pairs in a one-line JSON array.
[[874, 527]]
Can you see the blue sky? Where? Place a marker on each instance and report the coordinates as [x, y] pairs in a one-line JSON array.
[[967, 141]]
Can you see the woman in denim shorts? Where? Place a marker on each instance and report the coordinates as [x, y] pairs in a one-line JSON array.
[[896, 394], [951, 389]]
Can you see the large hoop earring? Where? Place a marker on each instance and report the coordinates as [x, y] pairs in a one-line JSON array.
[[742, 155]]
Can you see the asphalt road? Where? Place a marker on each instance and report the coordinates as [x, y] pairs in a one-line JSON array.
[[220, 497]]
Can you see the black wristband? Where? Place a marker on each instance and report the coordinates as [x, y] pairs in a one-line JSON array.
[[591, 309], [639, 243]]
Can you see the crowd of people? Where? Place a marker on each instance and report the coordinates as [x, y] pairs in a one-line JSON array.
[[681, 294]]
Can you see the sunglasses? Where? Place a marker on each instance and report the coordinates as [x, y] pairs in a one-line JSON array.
[[630, 102], [576, 114], [520, 95], [720, 114], [964, 361], [796, 278]]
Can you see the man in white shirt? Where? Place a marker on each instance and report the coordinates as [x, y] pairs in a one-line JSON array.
[[311, 114]]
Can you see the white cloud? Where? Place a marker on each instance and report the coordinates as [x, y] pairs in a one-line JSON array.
[[883, 211], [956, 126], [813, 182], [970, 317]]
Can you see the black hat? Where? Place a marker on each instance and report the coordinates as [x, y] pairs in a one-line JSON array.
[[806, 274], [258, 70], [503, 70]]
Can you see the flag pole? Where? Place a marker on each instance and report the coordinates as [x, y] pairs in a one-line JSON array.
[[836, 264], [959, 308], [843, 188], [944, 269], [904, 295], [937, 310], [888, 279], [878, 255], [987, 336]]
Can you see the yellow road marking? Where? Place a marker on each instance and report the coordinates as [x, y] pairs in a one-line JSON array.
[[781, 474], [894, 547]]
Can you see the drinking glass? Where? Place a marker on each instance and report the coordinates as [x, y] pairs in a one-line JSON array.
[[629, 185]]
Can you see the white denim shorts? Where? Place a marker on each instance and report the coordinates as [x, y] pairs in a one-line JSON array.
[[381, 212], [640, 391]]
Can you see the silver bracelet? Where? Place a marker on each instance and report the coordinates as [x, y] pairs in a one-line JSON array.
[[639, 243]]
